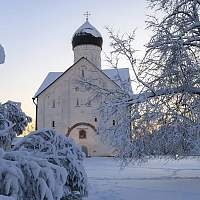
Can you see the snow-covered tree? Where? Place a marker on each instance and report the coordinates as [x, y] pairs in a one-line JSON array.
[[6, 133], [165, 114], [12, 112], [12, 121]]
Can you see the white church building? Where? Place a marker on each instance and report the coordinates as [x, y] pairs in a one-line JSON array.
[[61, 102]]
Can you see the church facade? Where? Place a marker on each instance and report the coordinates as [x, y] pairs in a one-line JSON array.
[[63, 104]]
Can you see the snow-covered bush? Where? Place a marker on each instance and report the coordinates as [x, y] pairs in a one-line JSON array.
[[44, 165], [58, 150], [26, 176]]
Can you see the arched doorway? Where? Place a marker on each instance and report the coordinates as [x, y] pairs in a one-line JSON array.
[[80, 124], [85, 135]]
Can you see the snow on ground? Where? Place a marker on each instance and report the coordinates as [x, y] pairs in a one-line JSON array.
[[155, 180], [6, 198]]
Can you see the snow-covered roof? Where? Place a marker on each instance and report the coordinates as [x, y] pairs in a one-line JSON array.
[[87, 28], [120, 76], [117, 75], [50, 78]]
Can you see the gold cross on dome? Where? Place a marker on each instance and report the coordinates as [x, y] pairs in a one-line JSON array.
[[87, 14]]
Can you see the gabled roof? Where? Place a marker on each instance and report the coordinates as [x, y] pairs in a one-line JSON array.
[[46, 83], [120, 76]]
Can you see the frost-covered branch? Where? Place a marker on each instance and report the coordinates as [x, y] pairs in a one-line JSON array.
[[122, 45]]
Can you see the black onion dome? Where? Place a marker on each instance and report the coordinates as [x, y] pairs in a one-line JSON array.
[[87, 34]]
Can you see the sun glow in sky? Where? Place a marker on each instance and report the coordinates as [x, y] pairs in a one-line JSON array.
[[36, 35]]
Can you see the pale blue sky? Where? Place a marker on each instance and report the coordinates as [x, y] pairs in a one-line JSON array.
[[36, 35]]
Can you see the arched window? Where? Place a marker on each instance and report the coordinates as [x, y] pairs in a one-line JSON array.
[[82, 134], [83, 73], [77, 102], [114, 123], [95, 119]]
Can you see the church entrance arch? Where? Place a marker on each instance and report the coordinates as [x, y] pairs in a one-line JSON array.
[[80, 124], [84, 134]]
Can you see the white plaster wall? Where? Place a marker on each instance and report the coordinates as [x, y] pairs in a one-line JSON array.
[[66, 113], [91, 52]]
